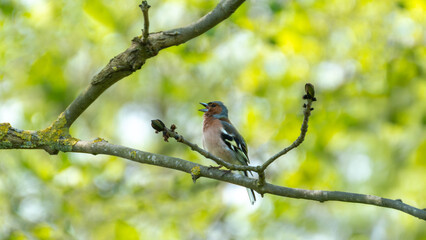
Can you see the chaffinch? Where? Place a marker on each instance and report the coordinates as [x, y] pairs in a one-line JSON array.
[[222, 139]]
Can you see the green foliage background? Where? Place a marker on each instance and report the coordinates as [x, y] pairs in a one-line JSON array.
[[367, 60]]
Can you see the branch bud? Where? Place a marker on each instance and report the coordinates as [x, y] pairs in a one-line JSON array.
[[158, 125]]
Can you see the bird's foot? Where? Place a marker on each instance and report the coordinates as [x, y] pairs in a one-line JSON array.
[[226, 171], [215, 167]]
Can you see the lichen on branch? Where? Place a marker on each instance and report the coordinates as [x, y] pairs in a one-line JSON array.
[[57, 136], [53, 139]]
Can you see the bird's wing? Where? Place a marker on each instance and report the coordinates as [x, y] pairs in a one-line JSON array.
[[235, 142]]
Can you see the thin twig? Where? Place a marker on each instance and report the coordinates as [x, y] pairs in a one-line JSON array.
[[145, 7], [309, 97], [298, 141], [159, 126]]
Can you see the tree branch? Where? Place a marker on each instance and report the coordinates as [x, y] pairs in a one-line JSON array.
[[11, 138], [57, 138], [53, 139], [298, 141], [135, 56], [159, 126], [226, 176], [322, 196], [309, 97]]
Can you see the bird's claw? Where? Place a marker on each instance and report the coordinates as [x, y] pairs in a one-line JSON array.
[[215, 167]]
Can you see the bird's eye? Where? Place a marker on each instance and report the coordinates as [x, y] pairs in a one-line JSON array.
[[213, 105]]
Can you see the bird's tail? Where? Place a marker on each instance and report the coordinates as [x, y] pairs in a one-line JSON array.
[[251, 195], [250, 191]]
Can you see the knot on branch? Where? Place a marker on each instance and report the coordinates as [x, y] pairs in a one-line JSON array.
[[141, 51], [195, 173], [261, 180]]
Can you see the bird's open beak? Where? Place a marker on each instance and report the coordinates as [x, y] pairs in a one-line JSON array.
[[204, 109]]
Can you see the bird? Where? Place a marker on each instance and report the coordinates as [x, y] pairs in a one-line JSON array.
[[222, 139]]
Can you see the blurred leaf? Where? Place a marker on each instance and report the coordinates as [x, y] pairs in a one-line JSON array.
[[125, 231]]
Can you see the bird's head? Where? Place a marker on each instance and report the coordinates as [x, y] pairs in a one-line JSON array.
[[216, 109]]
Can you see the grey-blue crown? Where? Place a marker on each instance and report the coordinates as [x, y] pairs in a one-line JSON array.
[[224, 112]]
